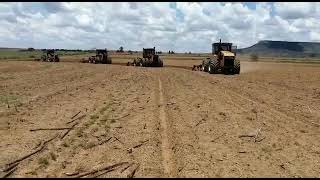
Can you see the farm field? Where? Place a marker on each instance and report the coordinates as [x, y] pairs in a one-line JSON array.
[[159, 122], [24, 54]]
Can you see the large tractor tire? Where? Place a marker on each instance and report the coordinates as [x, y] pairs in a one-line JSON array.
[[43, 58], [56, 59], [213, 66], [160, 62], [204, 66], [109, 60], [140, 62], [236, 69]]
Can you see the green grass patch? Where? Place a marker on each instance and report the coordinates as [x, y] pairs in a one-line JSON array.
[[53, 156], [90, 123], [102, 110], [43, 161], [10, 99], [89, 145], [103, 120], [65, 144], [94, 117], [5, 78], [107, 127], [33, 172], [23, 54]]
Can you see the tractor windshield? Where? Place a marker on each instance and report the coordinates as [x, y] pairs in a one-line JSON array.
[[221, 47], [101, 51], [148, 52], [50, 52], [225, 48]]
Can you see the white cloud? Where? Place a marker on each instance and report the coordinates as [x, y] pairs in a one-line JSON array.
[[295, 10], [187, 27]]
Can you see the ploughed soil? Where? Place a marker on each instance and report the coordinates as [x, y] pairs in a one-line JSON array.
[[159, 122]]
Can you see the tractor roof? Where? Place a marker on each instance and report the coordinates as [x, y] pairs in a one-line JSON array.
[[223, 44], [49, 50], [148, 48], [101, 50]]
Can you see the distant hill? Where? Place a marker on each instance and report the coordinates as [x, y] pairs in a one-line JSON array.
[[283, 49], [11, 49]]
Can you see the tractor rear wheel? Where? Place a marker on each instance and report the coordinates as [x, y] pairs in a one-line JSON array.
[[160, 63], [213, 66], [206, 67], [210, 69], [140, 62], [57, 59], [109, 60], [236, 68]]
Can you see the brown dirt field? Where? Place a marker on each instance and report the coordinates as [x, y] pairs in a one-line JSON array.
[[172, 122]]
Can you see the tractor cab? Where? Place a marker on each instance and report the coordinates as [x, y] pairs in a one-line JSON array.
[[149, 59], [149, 52], [49, 55], [101, 51], [50, 52], [101, 57], [217, 47]]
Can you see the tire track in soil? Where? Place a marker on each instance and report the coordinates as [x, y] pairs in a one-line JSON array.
[[275, 119], [169, 169]]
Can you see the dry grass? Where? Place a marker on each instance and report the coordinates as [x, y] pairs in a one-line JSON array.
[[43, 161], [94, 117], [53, 156]]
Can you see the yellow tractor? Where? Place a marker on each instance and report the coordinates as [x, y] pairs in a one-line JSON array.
[[223, 59], [101, 57], [149, 59]]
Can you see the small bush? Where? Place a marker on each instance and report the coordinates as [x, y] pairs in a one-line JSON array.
[[312, 55], [94, 117], [65, 144], [53, 156], [89, 145], [254, 57]]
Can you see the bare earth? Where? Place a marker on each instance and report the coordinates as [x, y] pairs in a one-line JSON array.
[[163, 122]]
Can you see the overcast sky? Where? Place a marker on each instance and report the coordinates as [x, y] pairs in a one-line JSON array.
[[181, 26]]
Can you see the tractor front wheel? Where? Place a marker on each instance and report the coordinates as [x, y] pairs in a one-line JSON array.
[[213, 67], [202, 68], [160, 63], [236, 68], [57, 59]]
